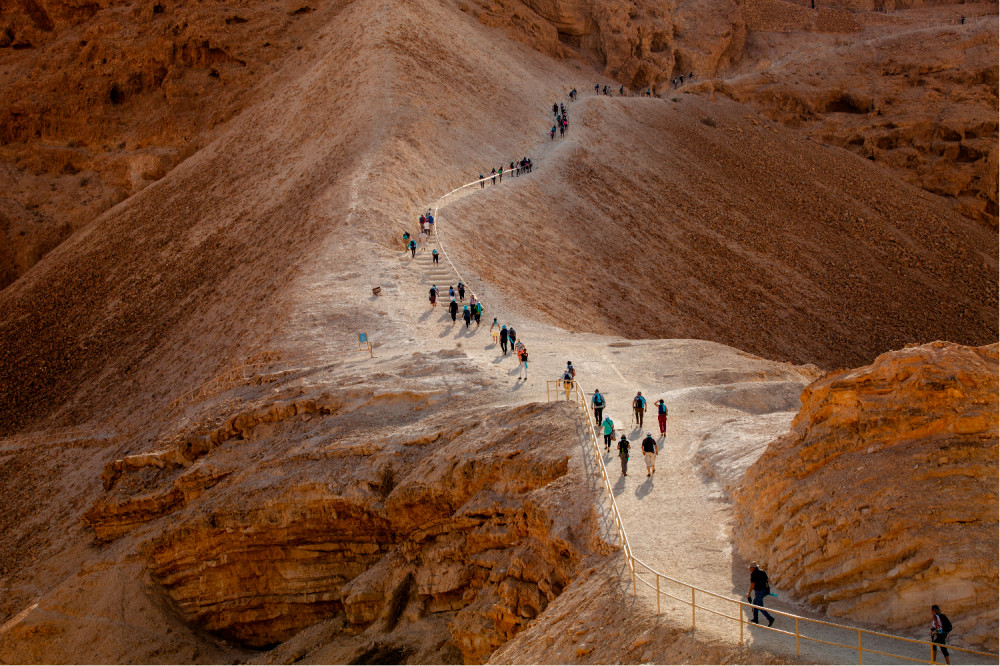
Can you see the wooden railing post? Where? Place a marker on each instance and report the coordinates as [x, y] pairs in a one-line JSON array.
[[693, 608], [796, 637], [860, 651], [657, 592]]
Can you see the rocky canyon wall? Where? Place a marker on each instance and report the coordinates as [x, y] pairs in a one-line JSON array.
[[882, 499]]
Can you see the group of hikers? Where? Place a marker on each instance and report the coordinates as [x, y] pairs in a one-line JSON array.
[[473, 310], [679, 81], [506, 337], [426, 228], [562, 119], [515, 169], [650, 447]]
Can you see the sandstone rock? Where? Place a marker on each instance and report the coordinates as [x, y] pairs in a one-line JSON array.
[[883, 497]]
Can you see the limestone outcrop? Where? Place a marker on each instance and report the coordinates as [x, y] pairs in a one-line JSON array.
[[882, 499]]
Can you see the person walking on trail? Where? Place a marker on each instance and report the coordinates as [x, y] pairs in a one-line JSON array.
[[500, 173], [759, 588], [482, 181], [421, 241], [597, 402], [413, 248], [649, 451], [555, 108], [608, 430], [467, 315], [621, 91], [493, 175], [461, 290], [570, 369], [638, 408], [451, 292], [472, 300], [661, 415], [434, 255], [503, 339], [406, 239], [495, 330], [552, 133], [434, 295], [562, 130], [623, 447], [477, 312], [597, 88], [430, 223], [567, 382], [522, 357], [940, 628], [453, 308], [511, 336]]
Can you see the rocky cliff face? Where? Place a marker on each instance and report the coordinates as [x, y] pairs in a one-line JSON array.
[[883, 497]]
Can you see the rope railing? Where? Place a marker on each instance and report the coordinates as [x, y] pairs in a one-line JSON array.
[[560, 389]]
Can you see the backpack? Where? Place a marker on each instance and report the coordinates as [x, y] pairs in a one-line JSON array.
[[637, 403], [945, 623], [599, 400], [524, 355]]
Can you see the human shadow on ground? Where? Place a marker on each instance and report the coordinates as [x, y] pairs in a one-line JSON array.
[[645, 488], [500, 358], [426, 315], [516, 387], [619, 486], [446, 332]]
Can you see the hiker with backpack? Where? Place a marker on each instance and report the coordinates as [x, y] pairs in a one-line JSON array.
[[461, 290], [413, 248], [597, 402], [638, 408], [552, 133], [511, 336], [451, 292], [503, 339], [623, 447], [940, 628], [649, 451], [434, 255], [482, 181], [661, 415], [466, 315], [522, 357], [495, 330], [434, 295], [759, 588], [477, 312], [567, 382], [453, 309], [608, 430]]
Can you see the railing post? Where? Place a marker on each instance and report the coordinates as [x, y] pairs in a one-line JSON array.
[[860, 651], [739, 611], [657, 592], [632, 567], [796, 637], [693, 608]]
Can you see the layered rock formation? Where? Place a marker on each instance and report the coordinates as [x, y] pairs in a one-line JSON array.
[[882, 499]]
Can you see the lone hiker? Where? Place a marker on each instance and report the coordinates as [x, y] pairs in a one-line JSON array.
[[434, 295], [453, 308], [661, 415], [413, 248], [649, 451], [434, 255], [503, 339], [638, 408], [461, 290], [495, 330], [608, 428], [482, 181], [522, 356], [940, 628], [598, 403], [759, 588], [623, 447]]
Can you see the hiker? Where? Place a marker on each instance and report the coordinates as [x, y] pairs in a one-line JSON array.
[[940, 628], [552, 133], [413, 248], [493, 174], [682, 79], [638, 407], [623, 447], [621, 91], [451, 293], [555, 108], [661, 415], [406, 239], [608, 430], [500, 173], [430, 223], [596, 88], [511, 336], [562, 130], [477, 312], [759, 588], [522, 357], [503, 339], [649, 451], [598, 403], [434, 295], [420, 240], [461, 290], [453, 308], [570, 369], [482, 181], [434, 255], [466, 315], [495, 330], [567, 382], [472, 301]]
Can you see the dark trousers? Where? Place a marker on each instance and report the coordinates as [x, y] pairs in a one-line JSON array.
[[638, 416], [598, 411], [503, 345], [435, 258], [940, 640], [624, 460], [758, 602], [607, 440]]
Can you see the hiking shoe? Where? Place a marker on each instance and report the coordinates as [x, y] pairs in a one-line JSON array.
[[770, 622], [755, 621]]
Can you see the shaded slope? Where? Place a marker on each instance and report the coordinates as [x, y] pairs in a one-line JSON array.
[[693, 219]]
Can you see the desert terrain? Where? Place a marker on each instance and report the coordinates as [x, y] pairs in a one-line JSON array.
[[796, 249]]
